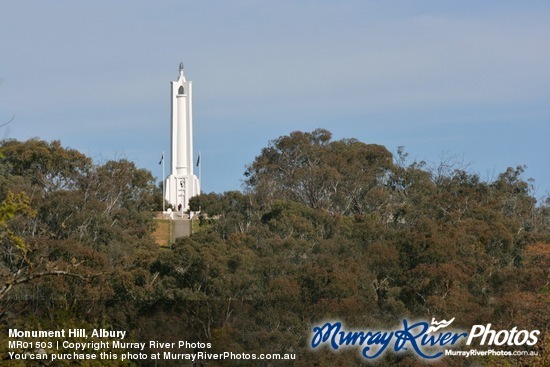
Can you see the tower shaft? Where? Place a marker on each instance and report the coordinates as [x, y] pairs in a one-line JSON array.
[[181, 184]]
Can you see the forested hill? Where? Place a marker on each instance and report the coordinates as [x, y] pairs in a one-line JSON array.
[[323, 230]]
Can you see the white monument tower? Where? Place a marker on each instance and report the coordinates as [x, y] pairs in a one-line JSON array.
[[181, 184]]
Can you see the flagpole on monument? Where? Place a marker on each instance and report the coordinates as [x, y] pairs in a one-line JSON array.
[[163, 184], [199, 163]]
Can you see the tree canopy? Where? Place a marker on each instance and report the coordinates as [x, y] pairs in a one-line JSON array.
[[324, 229]]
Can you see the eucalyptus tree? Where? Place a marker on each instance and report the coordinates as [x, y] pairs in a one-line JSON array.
[[310, 168]]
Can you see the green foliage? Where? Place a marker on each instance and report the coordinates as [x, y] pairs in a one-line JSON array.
[[86, 219], [47, 165], [309, 168], [12, 244], [324, 230]]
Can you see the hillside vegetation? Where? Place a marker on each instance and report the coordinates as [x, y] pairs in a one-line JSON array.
[[323, 230]]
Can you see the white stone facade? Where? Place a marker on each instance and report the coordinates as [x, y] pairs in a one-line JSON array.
[[181, 184]]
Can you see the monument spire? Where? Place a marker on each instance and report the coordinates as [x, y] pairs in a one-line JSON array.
[[181, 184], [181, 70]]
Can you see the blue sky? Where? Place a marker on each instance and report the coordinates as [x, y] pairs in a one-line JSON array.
[[466, 79]]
